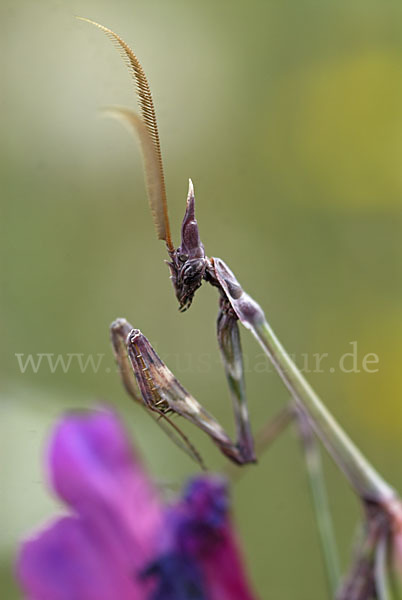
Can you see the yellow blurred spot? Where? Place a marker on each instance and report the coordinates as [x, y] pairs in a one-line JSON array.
[[335, 131]]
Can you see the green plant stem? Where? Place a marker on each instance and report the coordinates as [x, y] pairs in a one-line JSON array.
[[263, 440], [362, 476], [320, 502]]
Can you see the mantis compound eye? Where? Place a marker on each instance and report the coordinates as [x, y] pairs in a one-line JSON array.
[[192, 270]]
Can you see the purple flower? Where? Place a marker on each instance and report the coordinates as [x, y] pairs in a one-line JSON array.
[[119, 541]]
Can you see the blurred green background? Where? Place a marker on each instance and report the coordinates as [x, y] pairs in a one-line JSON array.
[[288, 117]]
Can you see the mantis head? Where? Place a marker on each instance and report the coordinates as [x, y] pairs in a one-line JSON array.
[[189, 262]]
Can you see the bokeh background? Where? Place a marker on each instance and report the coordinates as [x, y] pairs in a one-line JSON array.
[[288, 116]]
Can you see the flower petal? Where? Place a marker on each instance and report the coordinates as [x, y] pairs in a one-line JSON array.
[[67, 562], [94, 470], [199, 528], [218, 550], [177, 577]]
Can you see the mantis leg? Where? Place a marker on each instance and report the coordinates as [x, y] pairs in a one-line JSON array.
[[160, 392], [232, 358], [119, 331]]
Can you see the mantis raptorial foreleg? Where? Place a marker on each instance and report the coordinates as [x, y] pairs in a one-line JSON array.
[[232, 357], [119, 331], [141, 368]]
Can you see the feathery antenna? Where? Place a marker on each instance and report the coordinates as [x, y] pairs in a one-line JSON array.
[[156, 189]]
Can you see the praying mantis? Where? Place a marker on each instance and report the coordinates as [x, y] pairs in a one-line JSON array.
[[149, 381], [139, 365]]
